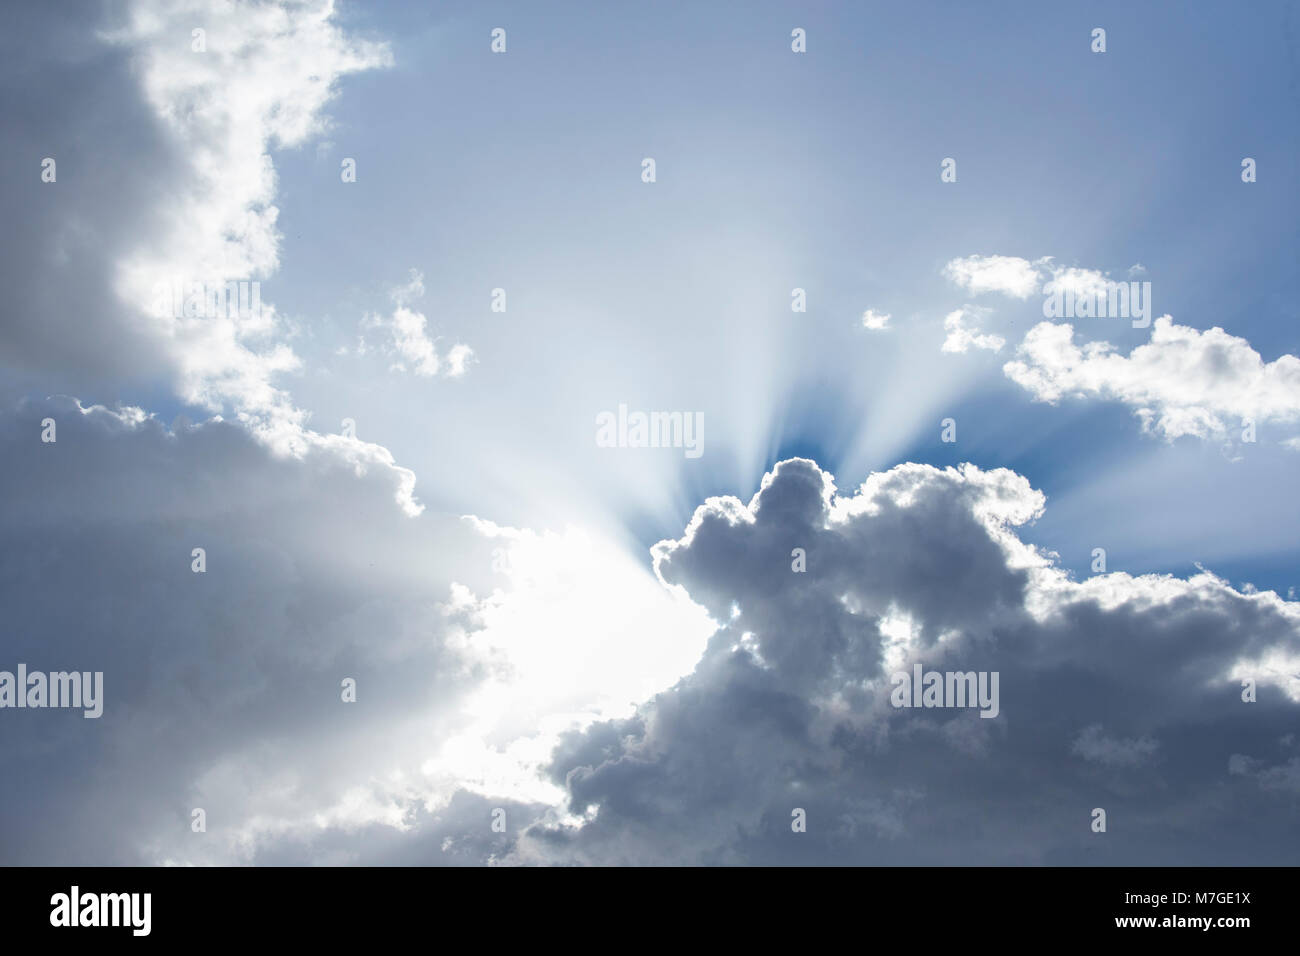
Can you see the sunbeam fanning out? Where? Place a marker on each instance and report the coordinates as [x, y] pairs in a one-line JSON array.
[[703, 434]]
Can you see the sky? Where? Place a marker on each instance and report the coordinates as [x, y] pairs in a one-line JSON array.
[[440, 615]]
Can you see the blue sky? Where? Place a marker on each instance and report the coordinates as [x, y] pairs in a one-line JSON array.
[[820, 172], [539, 613]]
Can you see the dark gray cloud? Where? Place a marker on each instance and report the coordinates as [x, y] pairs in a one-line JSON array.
[[221, 689], [789, 706], [67, 95]]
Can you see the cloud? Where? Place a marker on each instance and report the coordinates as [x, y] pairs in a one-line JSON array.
[[459, 359], [1082, 283], [262, 82], [407, 333], [871, 319], [789, 707], [169, 183], [1006, 274], [960, 338], [474, 647], [1093, 744], [501, 668], [1280, 777], [550, 682], [1020, 278], [1181, 382], [222, 689], [62, 238], [574, 632]]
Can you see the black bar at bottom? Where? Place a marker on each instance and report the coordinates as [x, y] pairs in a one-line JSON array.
[[329, 905]]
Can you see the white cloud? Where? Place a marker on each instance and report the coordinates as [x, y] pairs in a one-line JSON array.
[[1020, 278], [1181, 382], [459, 359], [960, 337], [407, 331], [263, 82], [1082, 283], [871, 319], [1006, 274], [414, 289]]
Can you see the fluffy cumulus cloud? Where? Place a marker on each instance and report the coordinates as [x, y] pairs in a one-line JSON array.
[[1182, 382], [1117, 692]]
